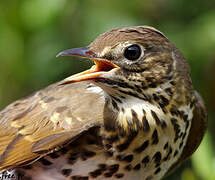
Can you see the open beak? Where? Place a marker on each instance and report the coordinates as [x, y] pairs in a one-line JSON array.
[[102, 66]]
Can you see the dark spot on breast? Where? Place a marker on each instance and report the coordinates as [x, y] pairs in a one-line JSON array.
[[192, 103], [113, 168], [108, 146], [125, 145], [144, 86], [184, 135], [166, 145], [135, 119], [73, 157], [142, 147], [145, 160], [186, 125], [164, 100], [87, 154], [172, 82], [154, 115], [127, 158], [155, 139], [79, 177], [138, 89], [176, 128], [155, 97], [128, 167], [174, 111], [146, 126], [185, 117], [45, 162], [181, 144], [157, 157], [103, 167], [152, 85], [181, 114], [169, 91], [175, 153], [163, 124], [157, 170], [108, 174], [109, 153], [112, 138], [96, 173], [137, 167], [161, 105], [168, 154], [119, 175], [66, 172]]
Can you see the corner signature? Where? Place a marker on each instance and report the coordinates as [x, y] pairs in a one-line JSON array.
[[7, 175]]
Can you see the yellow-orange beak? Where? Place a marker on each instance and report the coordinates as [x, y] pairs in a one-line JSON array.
[[102, 66]]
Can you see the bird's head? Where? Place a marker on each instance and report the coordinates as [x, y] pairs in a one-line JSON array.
[[130, 60]]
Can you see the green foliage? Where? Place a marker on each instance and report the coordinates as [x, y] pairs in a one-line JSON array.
[[32, 32]]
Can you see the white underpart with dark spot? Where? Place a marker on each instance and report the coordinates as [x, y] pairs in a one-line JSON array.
[[165, 134]]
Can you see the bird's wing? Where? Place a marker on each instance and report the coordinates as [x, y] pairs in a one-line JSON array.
[[33, 126], [197, 130], [198, 127]]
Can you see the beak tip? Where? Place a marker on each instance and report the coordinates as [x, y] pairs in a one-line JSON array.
[[59, 54]]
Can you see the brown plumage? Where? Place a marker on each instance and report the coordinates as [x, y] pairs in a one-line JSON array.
[[134, 115]]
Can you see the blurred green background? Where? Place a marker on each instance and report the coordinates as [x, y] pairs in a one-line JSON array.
[[32, 32]]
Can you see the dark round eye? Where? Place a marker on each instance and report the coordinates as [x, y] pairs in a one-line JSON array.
[[132, 52]]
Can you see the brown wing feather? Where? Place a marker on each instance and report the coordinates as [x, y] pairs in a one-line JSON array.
[[197, 130], [33, 126]]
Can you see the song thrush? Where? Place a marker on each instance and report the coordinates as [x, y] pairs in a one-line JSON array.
[[133, 115]]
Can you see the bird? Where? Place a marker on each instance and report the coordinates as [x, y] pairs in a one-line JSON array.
[[133, 115]]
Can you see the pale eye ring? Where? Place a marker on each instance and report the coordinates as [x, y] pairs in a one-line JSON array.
[[132, 52]]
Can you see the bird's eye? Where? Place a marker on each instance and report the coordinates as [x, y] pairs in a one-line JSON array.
[[132, 52]]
